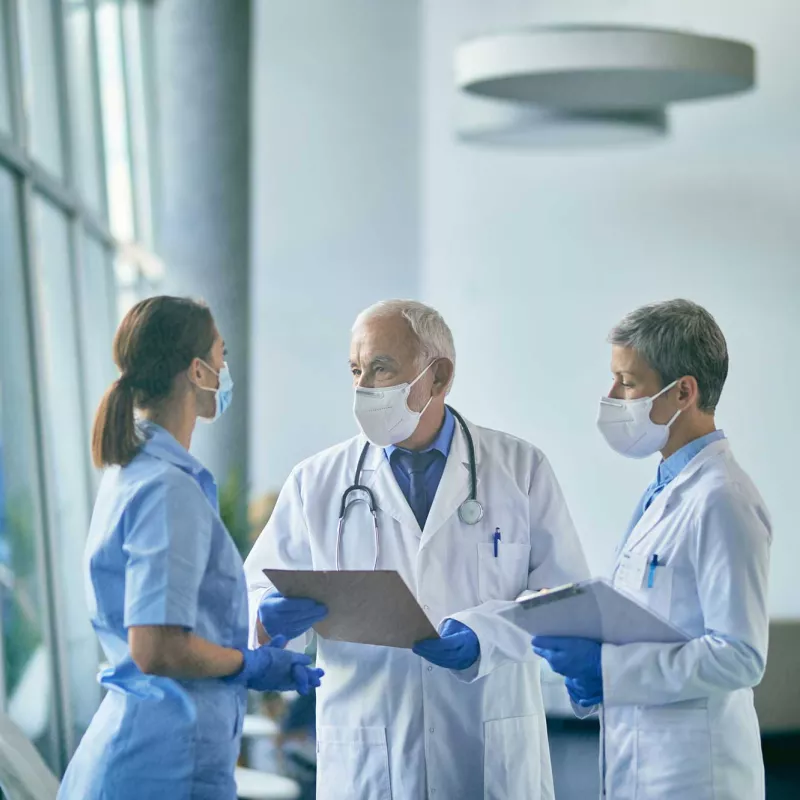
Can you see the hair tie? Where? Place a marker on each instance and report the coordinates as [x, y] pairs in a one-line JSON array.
[[126, 381]]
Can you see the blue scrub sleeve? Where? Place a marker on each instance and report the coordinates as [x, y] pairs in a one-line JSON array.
[[167, 542]]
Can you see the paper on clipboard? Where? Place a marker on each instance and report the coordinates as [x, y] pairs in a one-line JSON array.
[[591, 609], [364, 606]]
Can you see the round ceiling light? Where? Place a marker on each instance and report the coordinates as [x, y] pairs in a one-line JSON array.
[[517, 125], [602, 68]]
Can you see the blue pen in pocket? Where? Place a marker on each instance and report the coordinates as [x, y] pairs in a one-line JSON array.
[[495, 540], [651, 573]]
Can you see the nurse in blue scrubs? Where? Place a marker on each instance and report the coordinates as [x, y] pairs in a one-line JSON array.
[[166, 588]]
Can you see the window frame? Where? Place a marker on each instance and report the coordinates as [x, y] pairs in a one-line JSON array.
[[31, 179]]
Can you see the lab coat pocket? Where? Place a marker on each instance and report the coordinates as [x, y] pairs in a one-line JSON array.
[[504, 577], [673, 753], [659, 595], [346, 752], [512, 767]]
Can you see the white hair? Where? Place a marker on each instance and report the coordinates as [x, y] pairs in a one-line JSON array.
[[434, 338]]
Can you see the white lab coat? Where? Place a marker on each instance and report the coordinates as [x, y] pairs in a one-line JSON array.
[[389, 724], [678, 720]]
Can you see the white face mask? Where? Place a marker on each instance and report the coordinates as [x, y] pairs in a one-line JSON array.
[[628, 429], [383, 414]]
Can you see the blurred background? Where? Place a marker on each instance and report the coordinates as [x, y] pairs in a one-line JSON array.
[[293, 161]]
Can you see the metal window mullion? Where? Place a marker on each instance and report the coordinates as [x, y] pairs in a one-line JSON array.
[[12, 156], [62, 95], [47, 552], [123, 53], [77, 265], [19, 120], [151, 111], [100, 155]]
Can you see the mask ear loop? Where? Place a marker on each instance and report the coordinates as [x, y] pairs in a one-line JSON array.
[[410, 385], [214, 372], [663, 391]]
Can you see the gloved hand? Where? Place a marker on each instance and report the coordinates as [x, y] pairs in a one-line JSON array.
[[581, 694], [577, 659], [289, 616], [269, 668], [456, 648]]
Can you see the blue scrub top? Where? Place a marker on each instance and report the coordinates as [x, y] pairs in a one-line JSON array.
[[159, 554]]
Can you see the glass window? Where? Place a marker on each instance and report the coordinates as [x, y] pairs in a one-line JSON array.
[[98, 299], [5, 72], [67, 452], [27, 688], [83, 101], [41, 83], [135, 63], [115, 120], [127, 275]]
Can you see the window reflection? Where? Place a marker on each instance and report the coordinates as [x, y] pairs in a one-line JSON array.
[[25, 660], [5, 77], [67, 453], [115, 121], [83, 105], [42, 101]]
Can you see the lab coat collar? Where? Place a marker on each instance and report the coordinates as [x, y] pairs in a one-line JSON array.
[[453, 489], [671, 493], [455, 484], [377, 475]]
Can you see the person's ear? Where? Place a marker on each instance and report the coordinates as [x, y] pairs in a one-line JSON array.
[[688, 391], [442, 376]]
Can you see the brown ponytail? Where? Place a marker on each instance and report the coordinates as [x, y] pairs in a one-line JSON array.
[[158, 339]]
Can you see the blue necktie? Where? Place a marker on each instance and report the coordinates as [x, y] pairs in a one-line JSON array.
[[415, 465]]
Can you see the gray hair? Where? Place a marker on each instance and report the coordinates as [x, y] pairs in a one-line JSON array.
[[433, 335], [678, 338]]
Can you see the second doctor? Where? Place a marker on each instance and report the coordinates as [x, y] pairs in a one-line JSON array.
[[413, 725]]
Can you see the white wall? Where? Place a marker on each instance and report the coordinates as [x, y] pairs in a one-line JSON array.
[[335, 204], [533, 257]]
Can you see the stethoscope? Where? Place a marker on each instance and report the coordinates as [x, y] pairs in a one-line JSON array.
[[470, 512]]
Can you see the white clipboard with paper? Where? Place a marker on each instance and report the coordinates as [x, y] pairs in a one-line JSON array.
[[591, 609], [364, 606]]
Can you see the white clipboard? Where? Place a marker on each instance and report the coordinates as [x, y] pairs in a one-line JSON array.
[[591, 609], [364, 606]]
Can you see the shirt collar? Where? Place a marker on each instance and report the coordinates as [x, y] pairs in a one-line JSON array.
[[672, 466], [443, 440], [160, 443]]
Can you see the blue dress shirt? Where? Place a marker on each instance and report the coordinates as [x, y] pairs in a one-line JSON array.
[[433, 474]]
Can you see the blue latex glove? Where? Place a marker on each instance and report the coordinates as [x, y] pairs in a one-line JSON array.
[[576, 659], [270, 668], [581, 694], [456, 648], [289, 616]]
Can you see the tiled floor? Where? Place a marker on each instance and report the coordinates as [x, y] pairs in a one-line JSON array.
[[574, 754]]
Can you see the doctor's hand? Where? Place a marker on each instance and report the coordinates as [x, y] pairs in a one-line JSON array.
[[289, 616], [582, 694], [456, 648], [579, 660], [270, 668]]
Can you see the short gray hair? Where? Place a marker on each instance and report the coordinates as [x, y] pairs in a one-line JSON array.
[[428, 326], [678, 338]]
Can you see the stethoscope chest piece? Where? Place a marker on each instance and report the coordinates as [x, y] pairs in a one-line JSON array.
[[470, 512]]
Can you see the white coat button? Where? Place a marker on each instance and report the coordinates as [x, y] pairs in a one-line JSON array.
[[430, 730], [427, 608], [430, 669]]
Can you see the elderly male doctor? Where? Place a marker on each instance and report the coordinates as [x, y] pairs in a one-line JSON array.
[[460, 717], [678, 719]]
